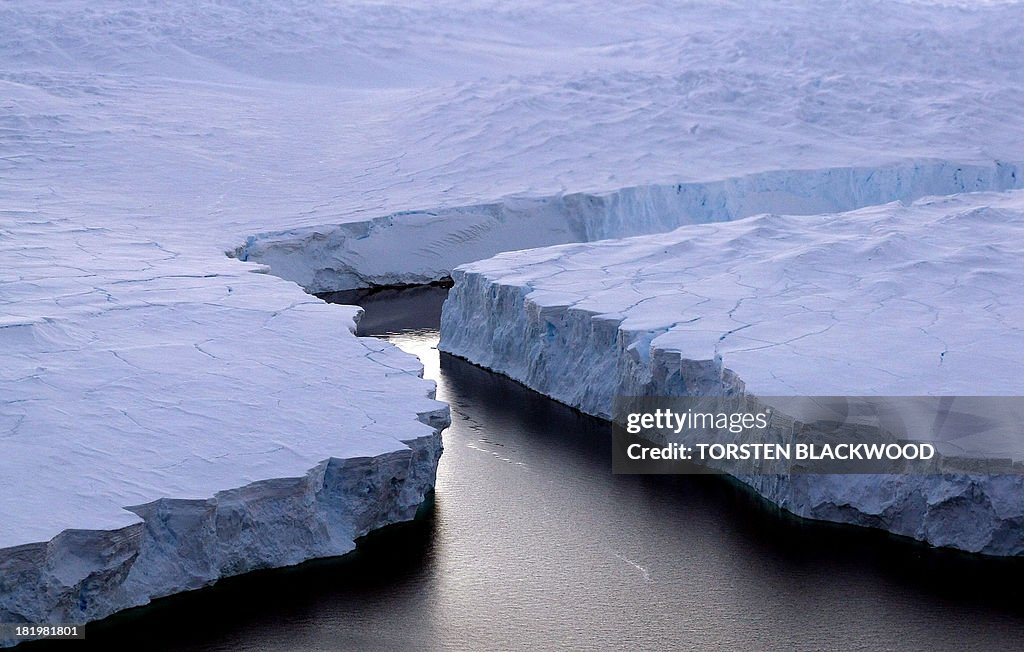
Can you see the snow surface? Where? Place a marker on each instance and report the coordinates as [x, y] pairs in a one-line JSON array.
[[892, 300], [133, 373], [141, 141], [171, 418], [221, 121]]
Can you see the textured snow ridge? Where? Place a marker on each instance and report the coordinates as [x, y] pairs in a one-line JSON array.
[[424, 246], [170, 417], [892, 300]]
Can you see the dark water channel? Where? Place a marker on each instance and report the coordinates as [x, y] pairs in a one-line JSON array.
[[533, 543]]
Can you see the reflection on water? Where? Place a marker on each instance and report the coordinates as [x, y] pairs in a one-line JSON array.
[[533, 543]]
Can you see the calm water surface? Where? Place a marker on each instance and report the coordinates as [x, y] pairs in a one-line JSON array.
[[532, 543]]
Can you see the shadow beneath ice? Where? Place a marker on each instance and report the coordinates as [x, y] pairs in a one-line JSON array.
[[264, 609]]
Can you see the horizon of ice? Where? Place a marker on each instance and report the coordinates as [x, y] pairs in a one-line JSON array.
[[653, 115], [891, 300], [318, 136]]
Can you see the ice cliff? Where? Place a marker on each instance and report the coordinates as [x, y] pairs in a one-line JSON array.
[[423, 246], [894, 300]]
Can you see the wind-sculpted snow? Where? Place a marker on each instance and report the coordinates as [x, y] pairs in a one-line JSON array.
[[221, 121], [892, 300], [692, 134]]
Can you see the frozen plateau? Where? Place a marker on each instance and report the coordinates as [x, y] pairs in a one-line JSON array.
[[169, 417]]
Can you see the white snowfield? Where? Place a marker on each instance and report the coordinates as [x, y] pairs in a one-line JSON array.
[[893, 300], [648, 116], [347, 144]]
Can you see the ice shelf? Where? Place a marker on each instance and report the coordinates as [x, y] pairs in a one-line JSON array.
[[172, 418], [893, 300]]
